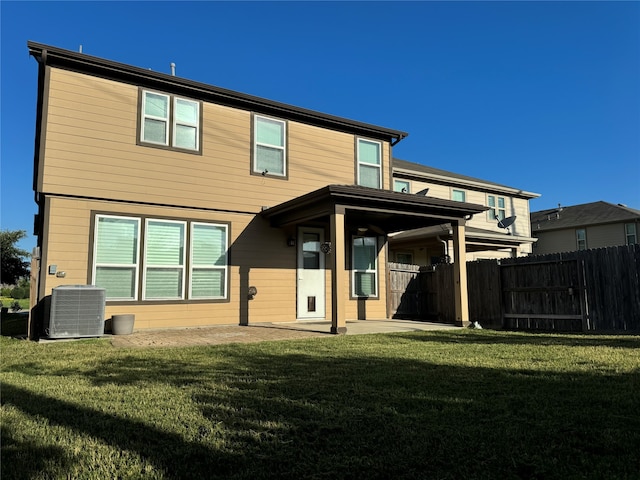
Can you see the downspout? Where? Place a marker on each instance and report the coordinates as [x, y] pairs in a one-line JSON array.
[[446, 248]]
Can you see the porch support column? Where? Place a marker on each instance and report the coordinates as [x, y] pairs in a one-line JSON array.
[[460, 274], [338, 272]]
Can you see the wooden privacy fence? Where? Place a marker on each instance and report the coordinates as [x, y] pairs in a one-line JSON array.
[[586, 291]]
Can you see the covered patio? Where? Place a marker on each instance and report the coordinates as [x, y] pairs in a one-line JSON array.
[[349, 210]]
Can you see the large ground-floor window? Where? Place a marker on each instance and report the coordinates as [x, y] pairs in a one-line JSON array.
[[159, 259]]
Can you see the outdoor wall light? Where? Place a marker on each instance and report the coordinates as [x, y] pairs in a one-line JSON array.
[[253, 291], [291, 242]]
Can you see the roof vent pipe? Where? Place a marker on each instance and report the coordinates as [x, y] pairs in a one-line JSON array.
[[173, 69]]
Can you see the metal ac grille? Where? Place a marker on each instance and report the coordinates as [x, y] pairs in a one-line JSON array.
[[77, 311]]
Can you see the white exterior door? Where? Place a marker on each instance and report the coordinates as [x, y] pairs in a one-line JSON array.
[[311, 273]]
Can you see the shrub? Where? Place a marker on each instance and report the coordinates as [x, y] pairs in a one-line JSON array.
[[5, 291], [20, 292]]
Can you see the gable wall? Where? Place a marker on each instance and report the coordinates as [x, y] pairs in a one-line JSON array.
[[91, 151]]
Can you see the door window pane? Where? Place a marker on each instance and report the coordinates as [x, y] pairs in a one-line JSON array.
[[311, 251]]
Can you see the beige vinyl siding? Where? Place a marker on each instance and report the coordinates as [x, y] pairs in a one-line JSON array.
[[599, 236], [91, 151], [556, 242], [269, 265]]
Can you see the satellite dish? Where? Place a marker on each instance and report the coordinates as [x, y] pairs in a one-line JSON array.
[[506, 223], [422, 192]]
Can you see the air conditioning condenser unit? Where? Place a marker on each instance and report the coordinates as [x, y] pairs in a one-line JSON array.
[[76, 311]]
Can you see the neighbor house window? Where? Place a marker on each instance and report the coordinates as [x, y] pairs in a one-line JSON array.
[[164, 260], [581, 238], [365, 267], [116, 256], [458, 195], [269, 147], [401, 186], [181, 260], [497, 209], [208, 261], [170, 121], [404, 258], [369, 163], [631, 233]]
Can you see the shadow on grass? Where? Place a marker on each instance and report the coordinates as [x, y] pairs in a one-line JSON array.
[[14, 324], [326, 414]]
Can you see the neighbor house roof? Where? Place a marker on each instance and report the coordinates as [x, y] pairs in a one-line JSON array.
[[80, 62], [423, 172], [595, 213]]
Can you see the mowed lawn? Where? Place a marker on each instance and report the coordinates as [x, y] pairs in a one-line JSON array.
[[472, 404]]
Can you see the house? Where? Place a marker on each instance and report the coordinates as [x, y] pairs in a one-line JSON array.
[[486, 234], [197, 205], [581, 227]]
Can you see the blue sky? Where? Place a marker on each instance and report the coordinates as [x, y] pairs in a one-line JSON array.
[[541, 96]]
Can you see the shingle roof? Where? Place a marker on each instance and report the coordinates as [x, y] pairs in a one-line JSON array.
[[457, 178], [582, 215]]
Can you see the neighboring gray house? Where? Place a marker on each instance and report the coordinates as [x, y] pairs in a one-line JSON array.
[[580, 227]]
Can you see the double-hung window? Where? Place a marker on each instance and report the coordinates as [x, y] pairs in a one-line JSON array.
[[164, 260], [369, 163], [458, 195], [581, 238], [180, 260], [269, 146], [365, 267], [401, 186], [116, 256], [497, 209], [169, 121], [630, 233], [208, 261]]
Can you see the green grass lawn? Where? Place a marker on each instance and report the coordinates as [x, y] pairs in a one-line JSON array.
[[471, 404]]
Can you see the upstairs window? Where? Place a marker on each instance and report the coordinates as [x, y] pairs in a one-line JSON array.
[[581, 239], [497, 209], [458, 195], [631, 233], [369, 163], [269, 146], [168, 121], [401, 186]]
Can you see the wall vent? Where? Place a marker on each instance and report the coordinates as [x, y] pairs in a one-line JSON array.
[[76, 311]]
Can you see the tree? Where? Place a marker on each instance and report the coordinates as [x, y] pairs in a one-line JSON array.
[[13, 266]]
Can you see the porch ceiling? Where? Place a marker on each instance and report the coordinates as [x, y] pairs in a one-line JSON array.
[[381, 211]]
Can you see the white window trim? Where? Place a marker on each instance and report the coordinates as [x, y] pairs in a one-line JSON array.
[[136, 265], [464, 194], [147, 266], [153, 117], [224, 268], [195, 124], [354, 270], [578, 239], [256, 118], [495, 209], [404, 182], [378, 166], [170, 121], [633, 234]]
